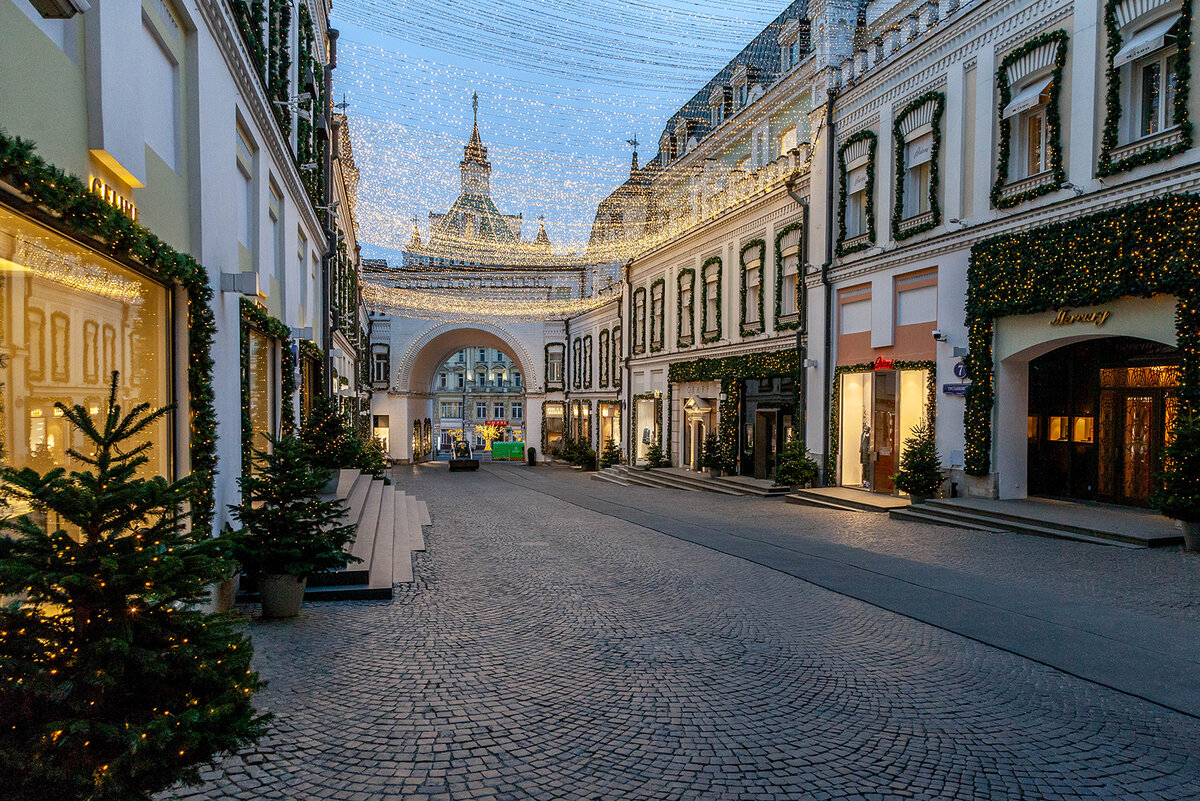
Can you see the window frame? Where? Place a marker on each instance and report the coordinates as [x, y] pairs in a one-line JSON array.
[[657, 314], [713, 333], [757, 326]]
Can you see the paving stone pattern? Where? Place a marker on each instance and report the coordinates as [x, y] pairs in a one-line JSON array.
[[550, 652]]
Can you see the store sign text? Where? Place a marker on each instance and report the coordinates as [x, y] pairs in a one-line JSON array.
[[1097, 318], [884, 364], [114, 198]]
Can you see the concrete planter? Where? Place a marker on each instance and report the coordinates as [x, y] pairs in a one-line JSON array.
[[915, 498], [1191, 536], [714, 472], [281, 595]]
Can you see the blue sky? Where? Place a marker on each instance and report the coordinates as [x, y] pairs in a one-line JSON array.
[[562, 86]]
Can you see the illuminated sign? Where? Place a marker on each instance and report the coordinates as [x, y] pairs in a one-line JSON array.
[[1097, 318], [496, 423], [114, 198], [884, 364]]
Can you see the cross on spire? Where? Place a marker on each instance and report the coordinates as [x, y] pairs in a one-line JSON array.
[[633, 142], [475, 106]]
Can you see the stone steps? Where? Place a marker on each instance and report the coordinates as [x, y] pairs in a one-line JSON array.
[[824, 501], [662, 479], [388, 525]]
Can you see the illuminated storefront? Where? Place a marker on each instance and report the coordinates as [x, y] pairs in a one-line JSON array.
[[877, 410], [69, 319], [610, 422]]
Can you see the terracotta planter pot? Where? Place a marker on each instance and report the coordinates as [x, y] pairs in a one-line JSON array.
[[1191, 536], [281, 595]]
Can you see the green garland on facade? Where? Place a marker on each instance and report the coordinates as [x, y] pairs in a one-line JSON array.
[[939, 101], [633, 423], [658, 321], [928, 365], [731, 371], [1138, 250], [685, 340], [749, 329], [616, 357], [561, 383], [1113, 111], [639, 337], [62, 201], [253, 316], [587, 361], [279, 69], [1053, 121], [869, 191], [706, 334], [605, 356], [801, 300], [310, 149], [249, 16]]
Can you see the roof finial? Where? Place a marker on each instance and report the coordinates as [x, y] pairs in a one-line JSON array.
[[475, 106]]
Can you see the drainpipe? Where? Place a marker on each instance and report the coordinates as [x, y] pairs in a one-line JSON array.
[[825, 282], [625, 358], [801, 350], [330, 233]]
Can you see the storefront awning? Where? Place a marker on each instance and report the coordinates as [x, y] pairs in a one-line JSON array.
[[1027, 98], [1145, 41]]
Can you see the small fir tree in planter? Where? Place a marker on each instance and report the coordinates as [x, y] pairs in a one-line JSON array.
[[332, 445], [288, 532], [1179, 496], [611, 455], [920, 473], [655, 457], [795, 467], [114, 684], [710, 456]]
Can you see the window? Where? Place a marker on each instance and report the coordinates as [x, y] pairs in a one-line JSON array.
[[616, 351], [711, 323], [442, 381], [159, 95], [576, 358], [1034, 141], [917, 155], [481, 410], [587, 362], [275, 245], [244, 198], [790, 283], [856, 202], [686, 324], [787, 140], [1156, 80], [752, 278], [605, 349], [498, 411], [639, 320], [461, 380], [481, 379], [482, 355], [301, 260], [91, 355], [657, 290], [462, 355], [379, 364], [516, 378], [554, 366], [518, 410], [717, 100], [60, 349], [452, 409]]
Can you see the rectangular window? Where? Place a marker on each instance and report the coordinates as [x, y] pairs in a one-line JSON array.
[[753, 290], [159, 95], [617, 355], [915, 306], [91, 355], [1035, 141], [587, 362], [481, 410], [855, 317], [442, 381], [791, 283], [918, 153], [516, 377], [710, 301], [498, 411], [260, 388], [244, 199], [576, 359], [554, 365], [518, 410], [301, 260], [656, 315], [275, 250], [482, 354], [379, 366], [451, 409], [462, 380]]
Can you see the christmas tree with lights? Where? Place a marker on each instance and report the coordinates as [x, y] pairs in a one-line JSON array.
[[114, 683]]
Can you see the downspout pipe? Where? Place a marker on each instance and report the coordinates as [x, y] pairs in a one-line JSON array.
[[625, 358], [802, 331], [826, 368], [330, 231]]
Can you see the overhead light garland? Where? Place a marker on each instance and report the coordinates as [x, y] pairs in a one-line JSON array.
[[452, 303]]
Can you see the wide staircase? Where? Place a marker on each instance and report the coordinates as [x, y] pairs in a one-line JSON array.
[[680, 479], [388, 525]]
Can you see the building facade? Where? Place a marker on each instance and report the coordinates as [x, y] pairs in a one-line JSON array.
[[986, 215], [189, 252], [478, 386]]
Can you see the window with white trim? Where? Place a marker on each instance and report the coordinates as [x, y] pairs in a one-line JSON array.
[[1155, 83], [518, 410], [711, 290], [856, 201], [480, 410], [656, 315], [451, 409], [498, 411], [380, 359], [790, 283], [917, 161], [753, 279]]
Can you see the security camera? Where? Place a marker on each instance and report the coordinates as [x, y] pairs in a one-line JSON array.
[[940, 335]]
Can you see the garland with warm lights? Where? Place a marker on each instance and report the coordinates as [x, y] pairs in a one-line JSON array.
[[1053, 121], [639, 337], [1110, 138], [683, 340], [587, 361], [280, 63], [749, 329], [657, 319], [1138, 250], [731, 371], [253, 316], [63, 202], [707, 335], [561, 383], [780, 323], [605, 356], [868, 191], [935, 208], [310, 147], [249, 16], [656, 432], [928, 365]]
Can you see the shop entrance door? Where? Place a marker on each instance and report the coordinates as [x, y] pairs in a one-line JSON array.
[[764, 442], [884, 434], [1133, 430]]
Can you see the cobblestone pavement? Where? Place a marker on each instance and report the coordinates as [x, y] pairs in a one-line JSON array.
[[550, 652]]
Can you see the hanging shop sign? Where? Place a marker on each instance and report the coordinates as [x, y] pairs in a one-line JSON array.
[[1065, 317]]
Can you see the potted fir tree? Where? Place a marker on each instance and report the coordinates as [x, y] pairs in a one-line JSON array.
[[710, 456], [1179, 496], [114, 681], [920, 473], [795, 468], [611, 455], [655, 456], [288, 532]]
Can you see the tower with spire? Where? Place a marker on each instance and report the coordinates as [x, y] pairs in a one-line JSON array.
[[476, 169]]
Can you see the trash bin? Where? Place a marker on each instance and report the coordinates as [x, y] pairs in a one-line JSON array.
[[532, 461]]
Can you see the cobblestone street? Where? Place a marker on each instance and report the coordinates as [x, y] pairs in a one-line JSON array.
[[549, 651]]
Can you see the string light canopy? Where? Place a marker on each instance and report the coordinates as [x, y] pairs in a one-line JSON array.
[[562, 87], [464, 303]]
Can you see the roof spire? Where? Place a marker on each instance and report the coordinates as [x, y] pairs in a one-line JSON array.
[[633, 167], [475, 105]]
